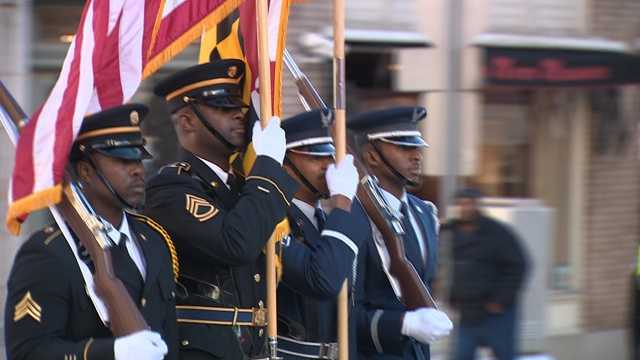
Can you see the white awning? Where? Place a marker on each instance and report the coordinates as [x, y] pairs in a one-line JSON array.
[[549, 42], [381, 37]]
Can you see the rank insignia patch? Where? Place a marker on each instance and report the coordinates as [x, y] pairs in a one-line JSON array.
[[27, 307], [200, 208]]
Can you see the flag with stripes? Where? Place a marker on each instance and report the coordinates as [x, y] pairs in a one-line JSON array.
[[116, 45], [236, 37]]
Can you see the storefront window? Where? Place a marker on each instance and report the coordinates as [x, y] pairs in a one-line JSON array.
[[504, 149]]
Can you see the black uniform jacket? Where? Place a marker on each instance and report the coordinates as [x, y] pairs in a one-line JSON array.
[[219, 235], [379, 312], [315, 265], [489, 265], [48, 314]]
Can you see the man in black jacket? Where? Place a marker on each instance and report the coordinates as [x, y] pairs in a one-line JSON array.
[[489, 267]]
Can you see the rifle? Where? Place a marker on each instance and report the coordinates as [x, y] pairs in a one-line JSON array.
[[76, 211], [414, 293]]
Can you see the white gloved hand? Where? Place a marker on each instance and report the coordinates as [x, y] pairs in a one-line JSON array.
[[270, 141], [426, 325], [141, 345], [342, 179]]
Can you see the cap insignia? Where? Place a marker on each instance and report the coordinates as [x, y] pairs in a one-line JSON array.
[[135, 118], [232, 71]]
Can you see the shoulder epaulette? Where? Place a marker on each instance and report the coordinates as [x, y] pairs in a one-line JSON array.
[[175, 265], [178, 168], [50, 233]]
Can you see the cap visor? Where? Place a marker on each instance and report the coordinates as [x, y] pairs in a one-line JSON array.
[[411, 141], [325, 149], [127, 153], [226, 102]]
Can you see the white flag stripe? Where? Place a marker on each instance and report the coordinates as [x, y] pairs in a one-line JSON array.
[[273, 18], [170, 5], [130, 48], [43, 149], [115, 7]]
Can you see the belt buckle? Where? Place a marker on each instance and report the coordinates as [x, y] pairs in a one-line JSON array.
[[260, 317], [328, 351]]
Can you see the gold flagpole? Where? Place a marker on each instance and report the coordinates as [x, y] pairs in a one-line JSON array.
[[339, 102], [264, 76]]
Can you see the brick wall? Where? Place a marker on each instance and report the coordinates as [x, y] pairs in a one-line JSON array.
[[613, 190], [612, 224]]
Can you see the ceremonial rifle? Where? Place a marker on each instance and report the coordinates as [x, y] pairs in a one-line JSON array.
[[414, 293], [91, 230]]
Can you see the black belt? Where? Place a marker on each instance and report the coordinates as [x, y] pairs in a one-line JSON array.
[[221, 316], [306, 350]]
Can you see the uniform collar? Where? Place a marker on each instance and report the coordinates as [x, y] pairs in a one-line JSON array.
[[114, 233], [308, 210], [223, 175], [393, 201]]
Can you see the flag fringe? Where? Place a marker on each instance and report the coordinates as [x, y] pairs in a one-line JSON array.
[[282, 39], [36, 201], [185, 39]]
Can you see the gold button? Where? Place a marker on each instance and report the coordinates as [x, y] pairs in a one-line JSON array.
[[185, 343], [143, 302], [260, 303], [260, 332], [256, 277]]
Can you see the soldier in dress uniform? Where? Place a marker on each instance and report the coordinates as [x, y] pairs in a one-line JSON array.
[[322, 250], [220, 226], [391, 145], [48, 313]]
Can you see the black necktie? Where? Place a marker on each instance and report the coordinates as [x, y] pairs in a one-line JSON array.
[[411, 246], [126, 268], [321, 218]]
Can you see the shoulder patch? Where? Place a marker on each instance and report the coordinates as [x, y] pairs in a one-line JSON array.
[[176, 168], [200, 208], [175, 265], [27, 306]]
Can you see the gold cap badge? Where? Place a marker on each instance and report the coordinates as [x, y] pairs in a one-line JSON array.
[[135, 118], [232, 71]]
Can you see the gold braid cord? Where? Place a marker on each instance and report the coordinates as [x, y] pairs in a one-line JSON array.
[[175, 265]]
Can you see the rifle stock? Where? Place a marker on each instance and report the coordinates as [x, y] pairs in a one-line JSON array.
[[124, 316]]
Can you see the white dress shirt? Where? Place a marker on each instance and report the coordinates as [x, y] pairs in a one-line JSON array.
[[308, 210], [223, 175], [395, 204], [133, 248]]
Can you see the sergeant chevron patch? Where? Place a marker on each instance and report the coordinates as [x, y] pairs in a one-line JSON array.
[[200, 208], [27, 307]]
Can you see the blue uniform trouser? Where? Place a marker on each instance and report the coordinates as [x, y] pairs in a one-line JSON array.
[[496, 331]]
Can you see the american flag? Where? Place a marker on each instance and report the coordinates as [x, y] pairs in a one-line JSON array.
[[116, 45]]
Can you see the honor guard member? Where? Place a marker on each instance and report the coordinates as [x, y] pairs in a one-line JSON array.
[[48, 313], [219, 225], [391, 147], [322, 250]]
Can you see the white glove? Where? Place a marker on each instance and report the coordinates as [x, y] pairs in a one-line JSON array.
[[426, 325], [141, 345], [270, 141], [342, 179]]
